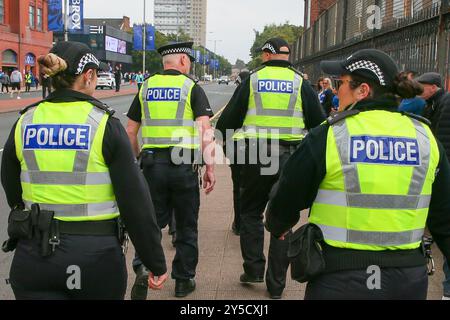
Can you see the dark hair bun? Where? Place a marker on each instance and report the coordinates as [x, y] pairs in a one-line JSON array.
[[406, 88]]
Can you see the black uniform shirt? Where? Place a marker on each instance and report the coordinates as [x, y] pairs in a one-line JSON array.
[[234, 113], [299, 183], [199, 102], [130, 188]]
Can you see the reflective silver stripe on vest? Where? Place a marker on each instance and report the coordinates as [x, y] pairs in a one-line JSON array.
[[259, 110], [275, 130], [65, 178], [353, 196], [171, 141], [87, 209], [371, 237], [168, 123], [372, 201], [82, 156], [28, 155]]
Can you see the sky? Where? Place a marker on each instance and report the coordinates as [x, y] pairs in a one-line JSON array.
[[230, 22]]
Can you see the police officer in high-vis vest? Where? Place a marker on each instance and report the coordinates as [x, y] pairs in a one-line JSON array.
[[69, 174], [173, 114], [373, 178], [273, 107]]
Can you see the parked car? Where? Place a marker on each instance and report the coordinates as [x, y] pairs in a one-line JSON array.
[[224, 79], [106, 79]]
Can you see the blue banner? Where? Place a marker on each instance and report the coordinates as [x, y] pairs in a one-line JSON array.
[[76, 19], [217, 64], [150, 35], [137, 38], [198, 55], [206, 58], [55, 16]]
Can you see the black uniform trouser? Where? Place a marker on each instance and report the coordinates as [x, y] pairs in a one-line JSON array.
[[117, 85], [236, 177], [255, 190], [395, 284], [102, 269], [176, 187]]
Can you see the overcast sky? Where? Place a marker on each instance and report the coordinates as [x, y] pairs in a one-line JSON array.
[[231, 21]]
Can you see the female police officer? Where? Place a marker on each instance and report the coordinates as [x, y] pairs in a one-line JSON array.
[[71, 157], [373, 178]]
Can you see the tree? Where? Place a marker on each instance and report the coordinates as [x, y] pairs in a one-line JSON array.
[[287, 31], [240, 64]]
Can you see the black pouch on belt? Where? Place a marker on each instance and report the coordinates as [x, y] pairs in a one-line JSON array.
[[147, 158], [20, 224], [305, 253]]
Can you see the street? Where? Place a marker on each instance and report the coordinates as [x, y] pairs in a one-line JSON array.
[[220, 262]]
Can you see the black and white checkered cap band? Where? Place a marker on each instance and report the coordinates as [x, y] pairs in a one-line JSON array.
[[85, 60], [270, 47], [368, 65], [188, 51]]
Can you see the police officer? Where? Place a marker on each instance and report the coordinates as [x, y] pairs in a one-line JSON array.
[[69, 155], [373, 178], [174, 113], [272, 107]]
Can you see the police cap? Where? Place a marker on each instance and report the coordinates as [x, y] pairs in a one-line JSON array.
[[276, 46], [177, 48]]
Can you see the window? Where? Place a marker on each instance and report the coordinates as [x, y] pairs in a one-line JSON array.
[[31, 17], [39, 19], [2, 11]]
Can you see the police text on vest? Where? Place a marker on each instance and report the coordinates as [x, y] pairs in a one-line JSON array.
[[276, 86], [56, 136], [163, 94], [384, 150]]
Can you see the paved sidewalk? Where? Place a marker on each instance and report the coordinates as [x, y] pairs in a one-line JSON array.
[[220, 262], [14, 104]]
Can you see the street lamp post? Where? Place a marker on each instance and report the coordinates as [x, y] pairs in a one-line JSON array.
[[215, 54]]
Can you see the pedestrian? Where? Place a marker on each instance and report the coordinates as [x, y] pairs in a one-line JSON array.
[[414, 105], [274, 114], [371, 206], [326, 96], [16, 80], [438, 112], [36, 81], [28, 81], [46, 85], [5, 81], [319, 86], [139, 80], [236, 167], [80, 181], [117, 77], [169, 121]]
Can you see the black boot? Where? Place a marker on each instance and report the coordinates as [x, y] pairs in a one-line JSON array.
[[140, 286], [184, 287]]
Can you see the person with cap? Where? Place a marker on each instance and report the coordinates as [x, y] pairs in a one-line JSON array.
[[69, 162], [438, 112], [373, 177], [273, 108], [236, 168], [174, 114], [414, 105]]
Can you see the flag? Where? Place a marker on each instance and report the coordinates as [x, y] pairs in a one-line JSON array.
[[150, 35], [137, 38], [55, 16], [76, 16]]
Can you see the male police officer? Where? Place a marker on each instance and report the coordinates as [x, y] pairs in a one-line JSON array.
[[274, 104], [166, 107]]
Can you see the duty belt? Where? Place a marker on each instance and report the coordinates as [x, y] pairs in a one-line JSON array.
[[86, 228]]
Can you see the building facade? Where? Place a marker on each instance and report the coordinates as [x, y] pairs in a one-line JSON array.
[[23, 34], [314, 8], [188, 15]]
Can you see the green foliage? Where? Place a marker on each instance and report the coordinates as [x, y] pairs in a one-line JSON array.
[[288, 32]]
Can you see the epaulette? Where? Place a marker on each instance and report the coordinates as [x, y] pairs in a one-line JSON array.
[[296, 71], [103, 106], [341, 116], [24, 110], [417, 117], [256, 70]]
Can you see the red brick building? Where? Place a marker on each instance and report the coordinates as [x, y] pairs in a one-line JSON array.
[[23, 34], [314, 8]]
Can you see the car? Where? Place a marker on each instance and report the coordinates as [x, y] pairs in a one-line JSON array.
[[224, 79], [106, 79]]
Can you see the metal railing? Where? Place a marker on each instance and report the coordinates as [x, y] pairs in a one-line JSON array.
[[416, 33]]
